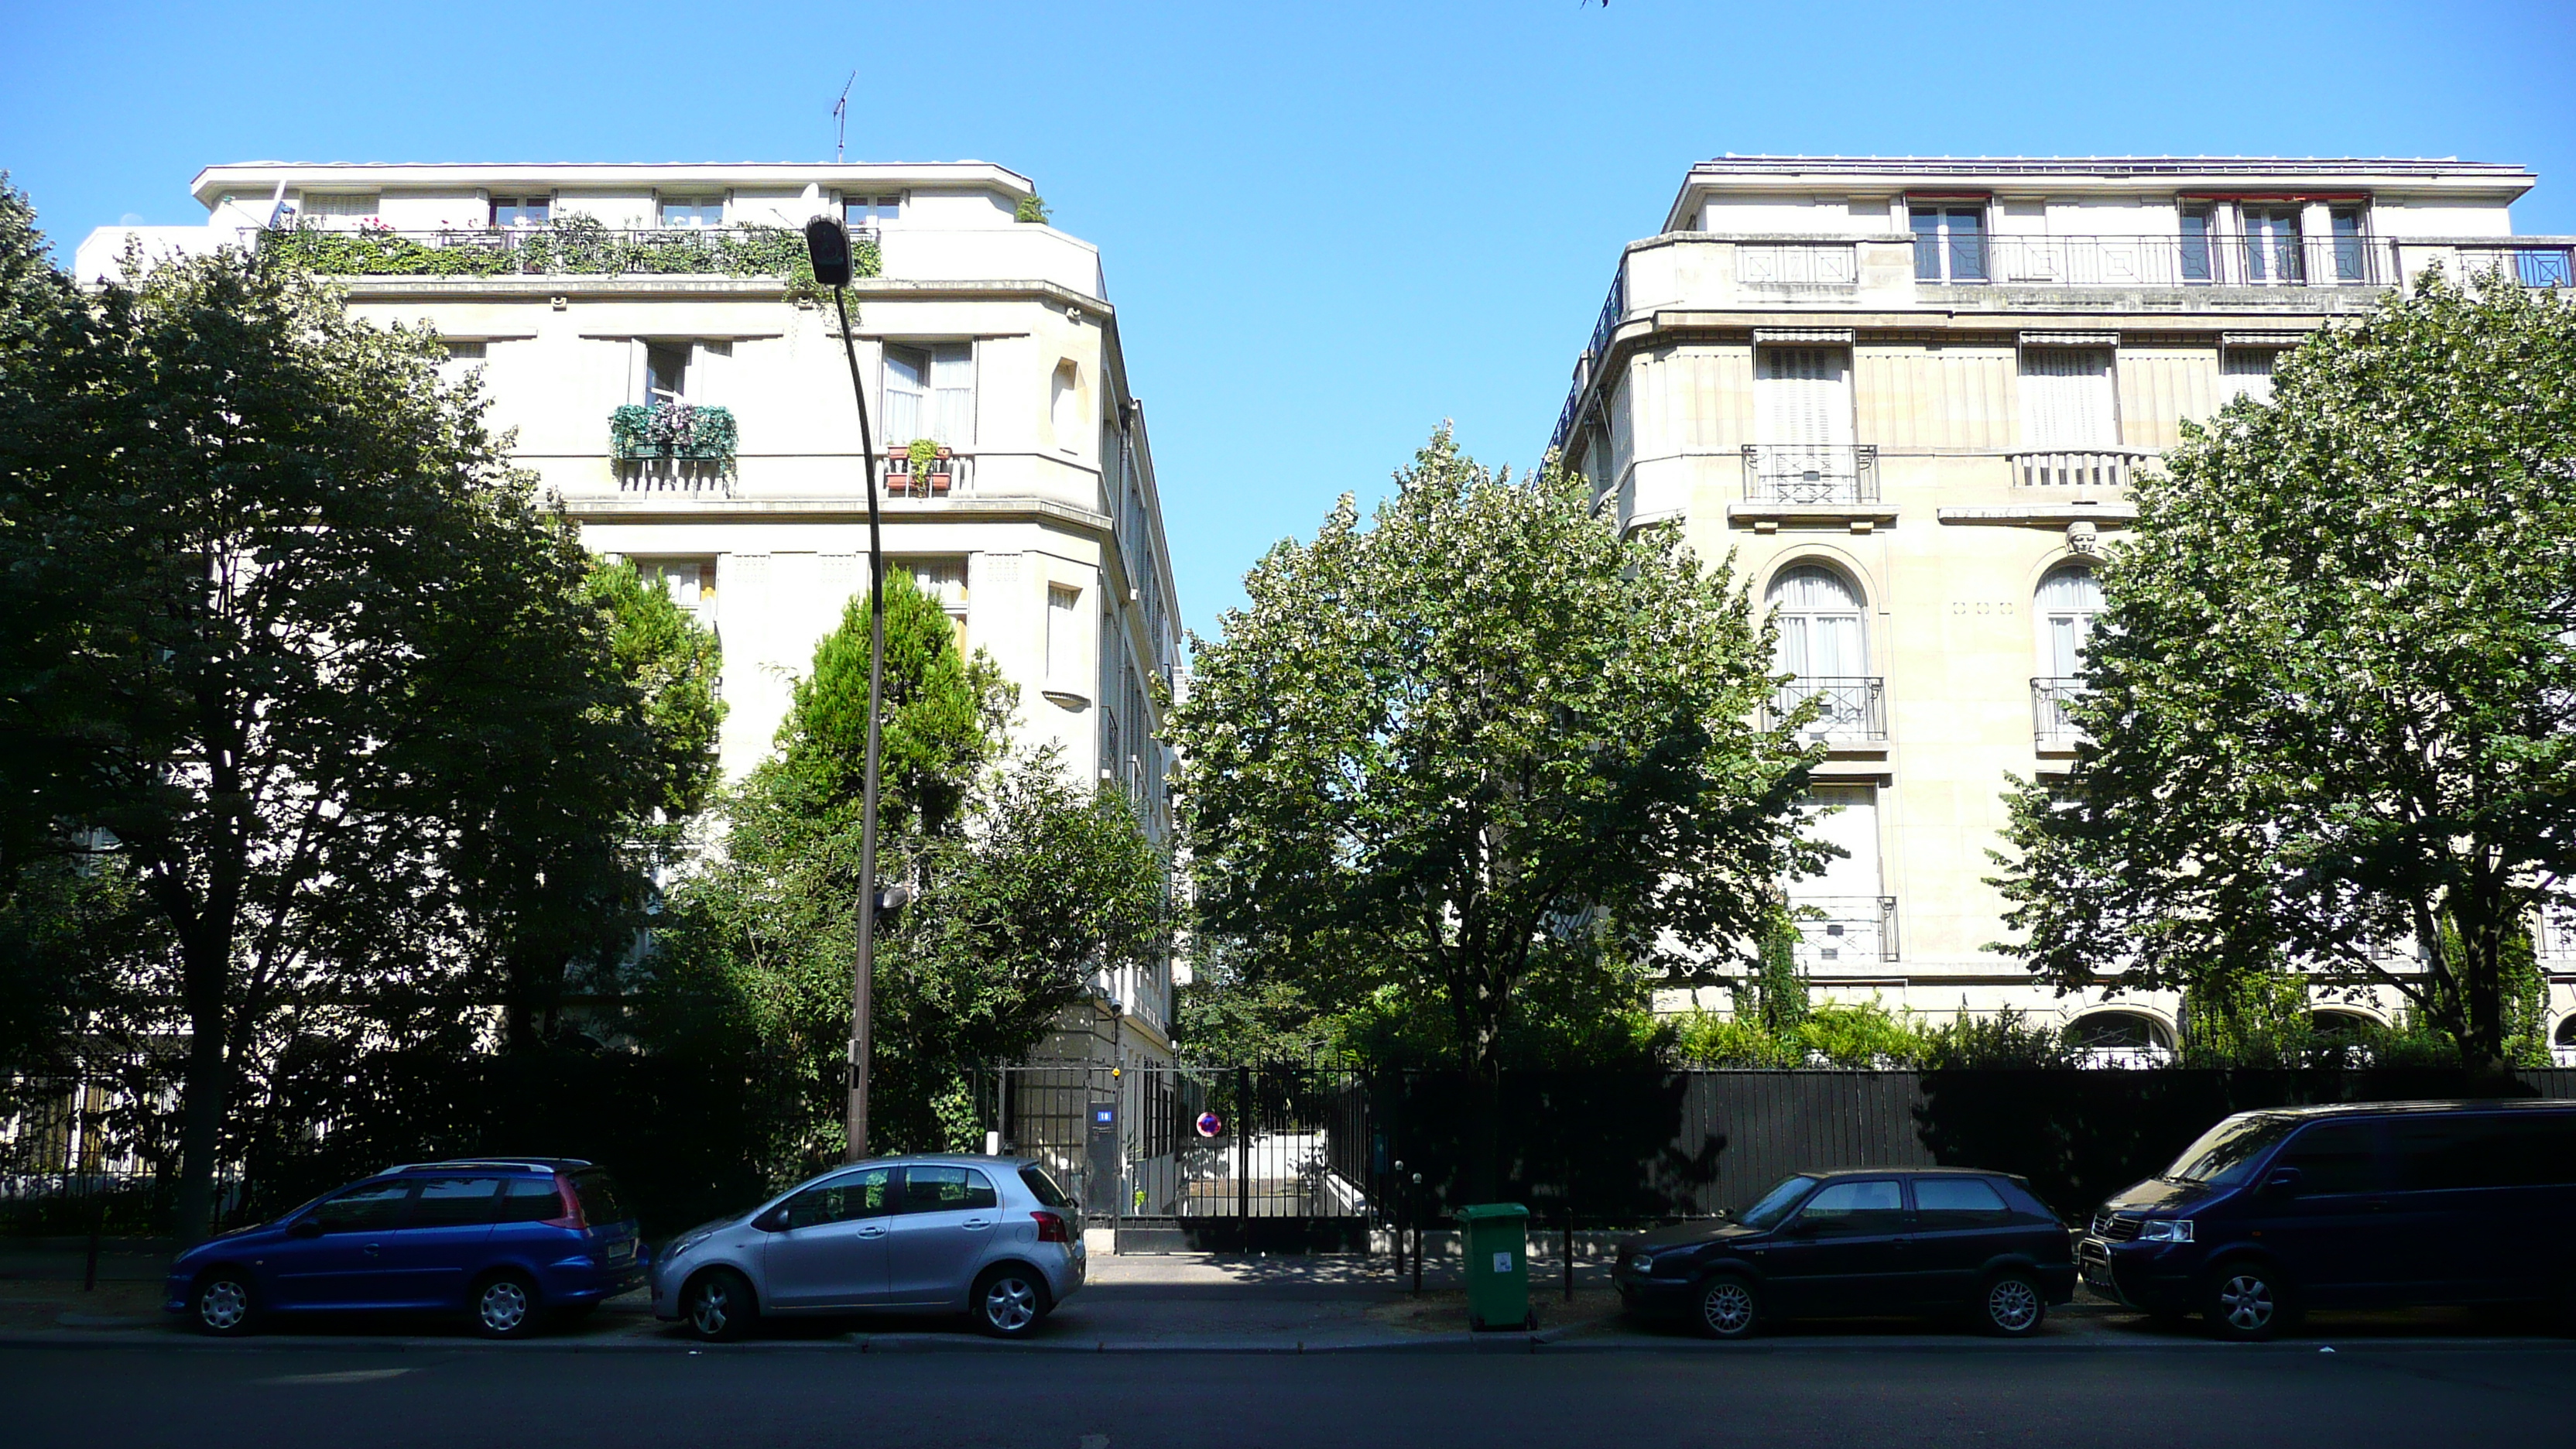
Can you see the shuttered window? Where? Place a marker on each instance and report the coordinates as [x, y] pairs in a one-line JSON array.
[[1802, 396], [2067, 402], [2247, 372]]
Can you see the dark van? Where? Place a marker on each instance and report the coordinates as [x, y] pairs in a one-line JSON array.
[[2372, 1205]]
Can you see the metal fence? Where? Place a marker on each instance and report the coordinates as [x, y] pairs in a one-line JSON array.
[[1854, 707], [1811, 472]]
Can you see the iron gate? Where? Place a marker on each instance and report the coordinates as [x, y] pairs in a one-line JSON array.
[[1201, 1159]]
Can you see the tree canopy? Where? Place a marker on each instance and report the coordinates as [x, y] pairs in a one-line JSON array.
[[1481, 736], [2330, 699]]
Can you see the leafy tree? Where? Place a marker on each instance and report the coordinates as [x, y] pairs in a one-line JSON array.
[[2331, 694], [1448, 740], [281, 621]]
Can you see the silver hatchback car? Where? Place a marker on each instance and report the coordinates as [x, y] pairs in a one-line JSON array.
[[993, 1237]]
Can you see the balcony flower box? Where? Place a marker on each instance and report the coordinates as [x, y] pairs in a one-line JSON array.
[[678, 432]]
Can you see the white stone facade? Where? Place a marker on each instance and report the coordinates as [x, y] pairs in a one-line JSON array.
[[1039, 526], [1907, 396]]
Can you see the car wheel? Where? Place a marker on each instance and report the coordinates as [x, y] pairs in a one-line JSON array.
[[1727, 1307], [717, 1306], [505, 1306], [2244, 1303], [2011, 1306], [1010, 1302], [223, 1304]]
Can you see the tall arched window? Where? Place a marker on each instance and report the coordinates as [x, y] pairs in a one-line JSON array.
[[2069, 601], [1824, 641]]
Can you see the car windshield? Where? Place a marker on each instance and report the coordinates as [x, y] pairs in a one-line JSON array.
[[1776, 1203], [2226, 1152]]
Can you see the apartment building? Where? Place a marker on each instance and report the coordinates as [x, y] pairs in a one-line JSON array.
[[640, 334], [1908, 396]]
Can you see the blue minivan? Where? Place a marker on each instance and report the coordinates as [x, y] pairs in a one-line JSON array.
[[511, 1242], [2371, 1205]]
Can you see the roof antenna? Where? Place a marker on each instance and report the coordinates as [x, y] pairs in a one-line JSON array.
[[841, 119]]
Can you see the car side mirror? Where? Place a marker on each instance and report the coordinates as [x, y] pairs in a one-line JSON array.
[[305, 1228], [2283, 1182], [1802, 1228], [772, 1221], [1726, 1215]]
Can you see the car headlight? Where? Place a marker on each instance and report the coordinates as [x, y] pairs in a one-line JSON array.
[[2165, 1230], [684, 1245]]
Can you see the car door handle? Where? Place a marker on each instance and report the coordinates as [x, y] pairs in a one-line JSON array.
[[978, 1224], [872, 1232], [373, 1248]]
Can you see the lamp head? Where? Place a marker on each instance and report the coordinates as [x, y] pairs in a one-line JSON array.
[[827, 245]]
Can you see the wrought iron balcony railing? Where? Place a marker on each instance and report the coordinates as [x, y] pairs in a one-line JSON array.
[[2162, 261], [1843, 930], [1811, 472], [1853, 707], [2533, 266], [2051, 726], [2096, 468]]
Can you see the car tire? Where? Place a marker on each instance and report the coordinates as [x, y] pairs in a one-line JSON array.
[[222, 1304], [2245, 1302], [717, 1306], [1726, 1306], [2011, 1306], [504, 1305], [1010, 1302]]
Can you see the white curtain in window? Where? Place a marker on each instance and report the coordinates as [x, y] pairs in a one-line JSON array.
[[952, 388], [2067, 403], [2069, 601], [1821, 633], [1844, 815], [907, 393], [1802, 395], [2246, 372]]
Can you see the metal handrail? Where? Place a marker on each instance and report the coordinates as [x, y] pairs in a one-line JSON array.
[[1811, 472], [2162, 261], [2050, 725], [1855, 706], [1830, 925]]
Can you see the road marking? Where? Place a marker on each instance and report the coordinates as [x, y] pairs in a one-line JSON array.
[[346, 1376]]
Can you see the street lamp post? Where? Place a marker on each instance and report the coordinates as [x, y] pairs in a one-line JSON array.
[[827, 245]]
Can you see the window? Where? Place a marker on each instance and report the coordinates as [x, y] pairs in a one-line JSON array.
[[1949, 241], [1042, 1187], [1776, 1203], [859, 1195], [943, 582], [2067, 401], [2272, 244], [1958, 1202], [1872, 1205], [522, 210], [666, 372], [597, 1193], [929, 1189], [342, 209], [858, 212], [930, 393], [2521, 1150], [1064, 394], [2334, 1157], [1802, 397], [2351, 260], [677, 212], [531, 1200], [2196, 232], [2069, 601], [691, 582], [456, 1202], [2224, 1155], [1064, 637], [1821, 635], [467, 351], [367, 1209], [2247, 372]]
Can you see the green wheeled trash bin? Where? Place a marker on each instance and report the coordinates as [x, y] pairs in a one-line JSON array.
[[1495, 1236]]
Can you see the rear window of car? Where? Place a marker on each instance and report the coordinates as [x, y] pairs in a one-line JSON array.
[[530, 1200], [1958, 1202], [600, 1201], [1043, 1187]]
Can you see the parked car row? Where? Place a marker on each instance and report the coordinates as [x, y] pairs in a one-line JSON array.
[[2268, 1214], [516, 1243]]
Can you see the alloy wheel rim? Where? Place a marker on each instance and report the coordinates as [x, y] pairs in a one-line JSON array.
[[504, 1306], [2247, 1301], [223, 1305], [1011, 1305], [1727, 1307], [2012, 1305], [708, 1311]]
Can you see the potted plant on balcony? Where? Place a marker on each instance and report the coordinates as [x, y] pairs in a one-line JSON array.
[[918, 459], [939, 474]]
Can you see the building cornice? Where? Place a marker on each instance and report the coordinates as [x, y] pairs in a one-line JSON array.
[[263, 176]]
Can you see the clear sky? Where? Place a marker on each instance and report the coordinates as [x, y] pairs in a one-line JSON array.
[[1326, 226]]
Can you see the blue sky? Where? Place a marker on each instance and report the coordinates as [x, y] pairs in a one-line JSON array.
[[1326, 226]]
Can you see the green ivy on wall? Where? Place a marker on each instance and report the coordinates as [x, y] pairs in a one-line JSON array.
[[680, 431], [568, 246]]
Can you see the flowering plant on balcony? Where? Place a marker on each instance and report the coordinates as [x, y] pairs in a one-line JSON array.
[[565, 246], [681, 431]]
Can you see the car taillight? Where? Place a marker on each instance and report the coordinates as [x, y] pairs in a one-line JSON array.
[[1052, 1228], [573, 1217]]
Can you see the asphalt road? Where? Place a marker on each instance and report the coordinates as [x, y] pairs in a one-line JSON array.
[[783, 1395]]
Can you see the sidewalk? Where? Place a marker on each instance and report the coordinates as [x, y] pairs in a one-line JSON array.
[[1182, 1303]]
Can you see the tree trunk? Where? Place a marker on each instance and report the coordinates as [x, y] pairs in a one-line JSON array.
[[202, 1120]]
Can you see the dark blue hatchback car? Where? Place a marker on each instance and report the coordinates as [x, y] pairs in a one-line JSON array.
[[508, 1241]]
